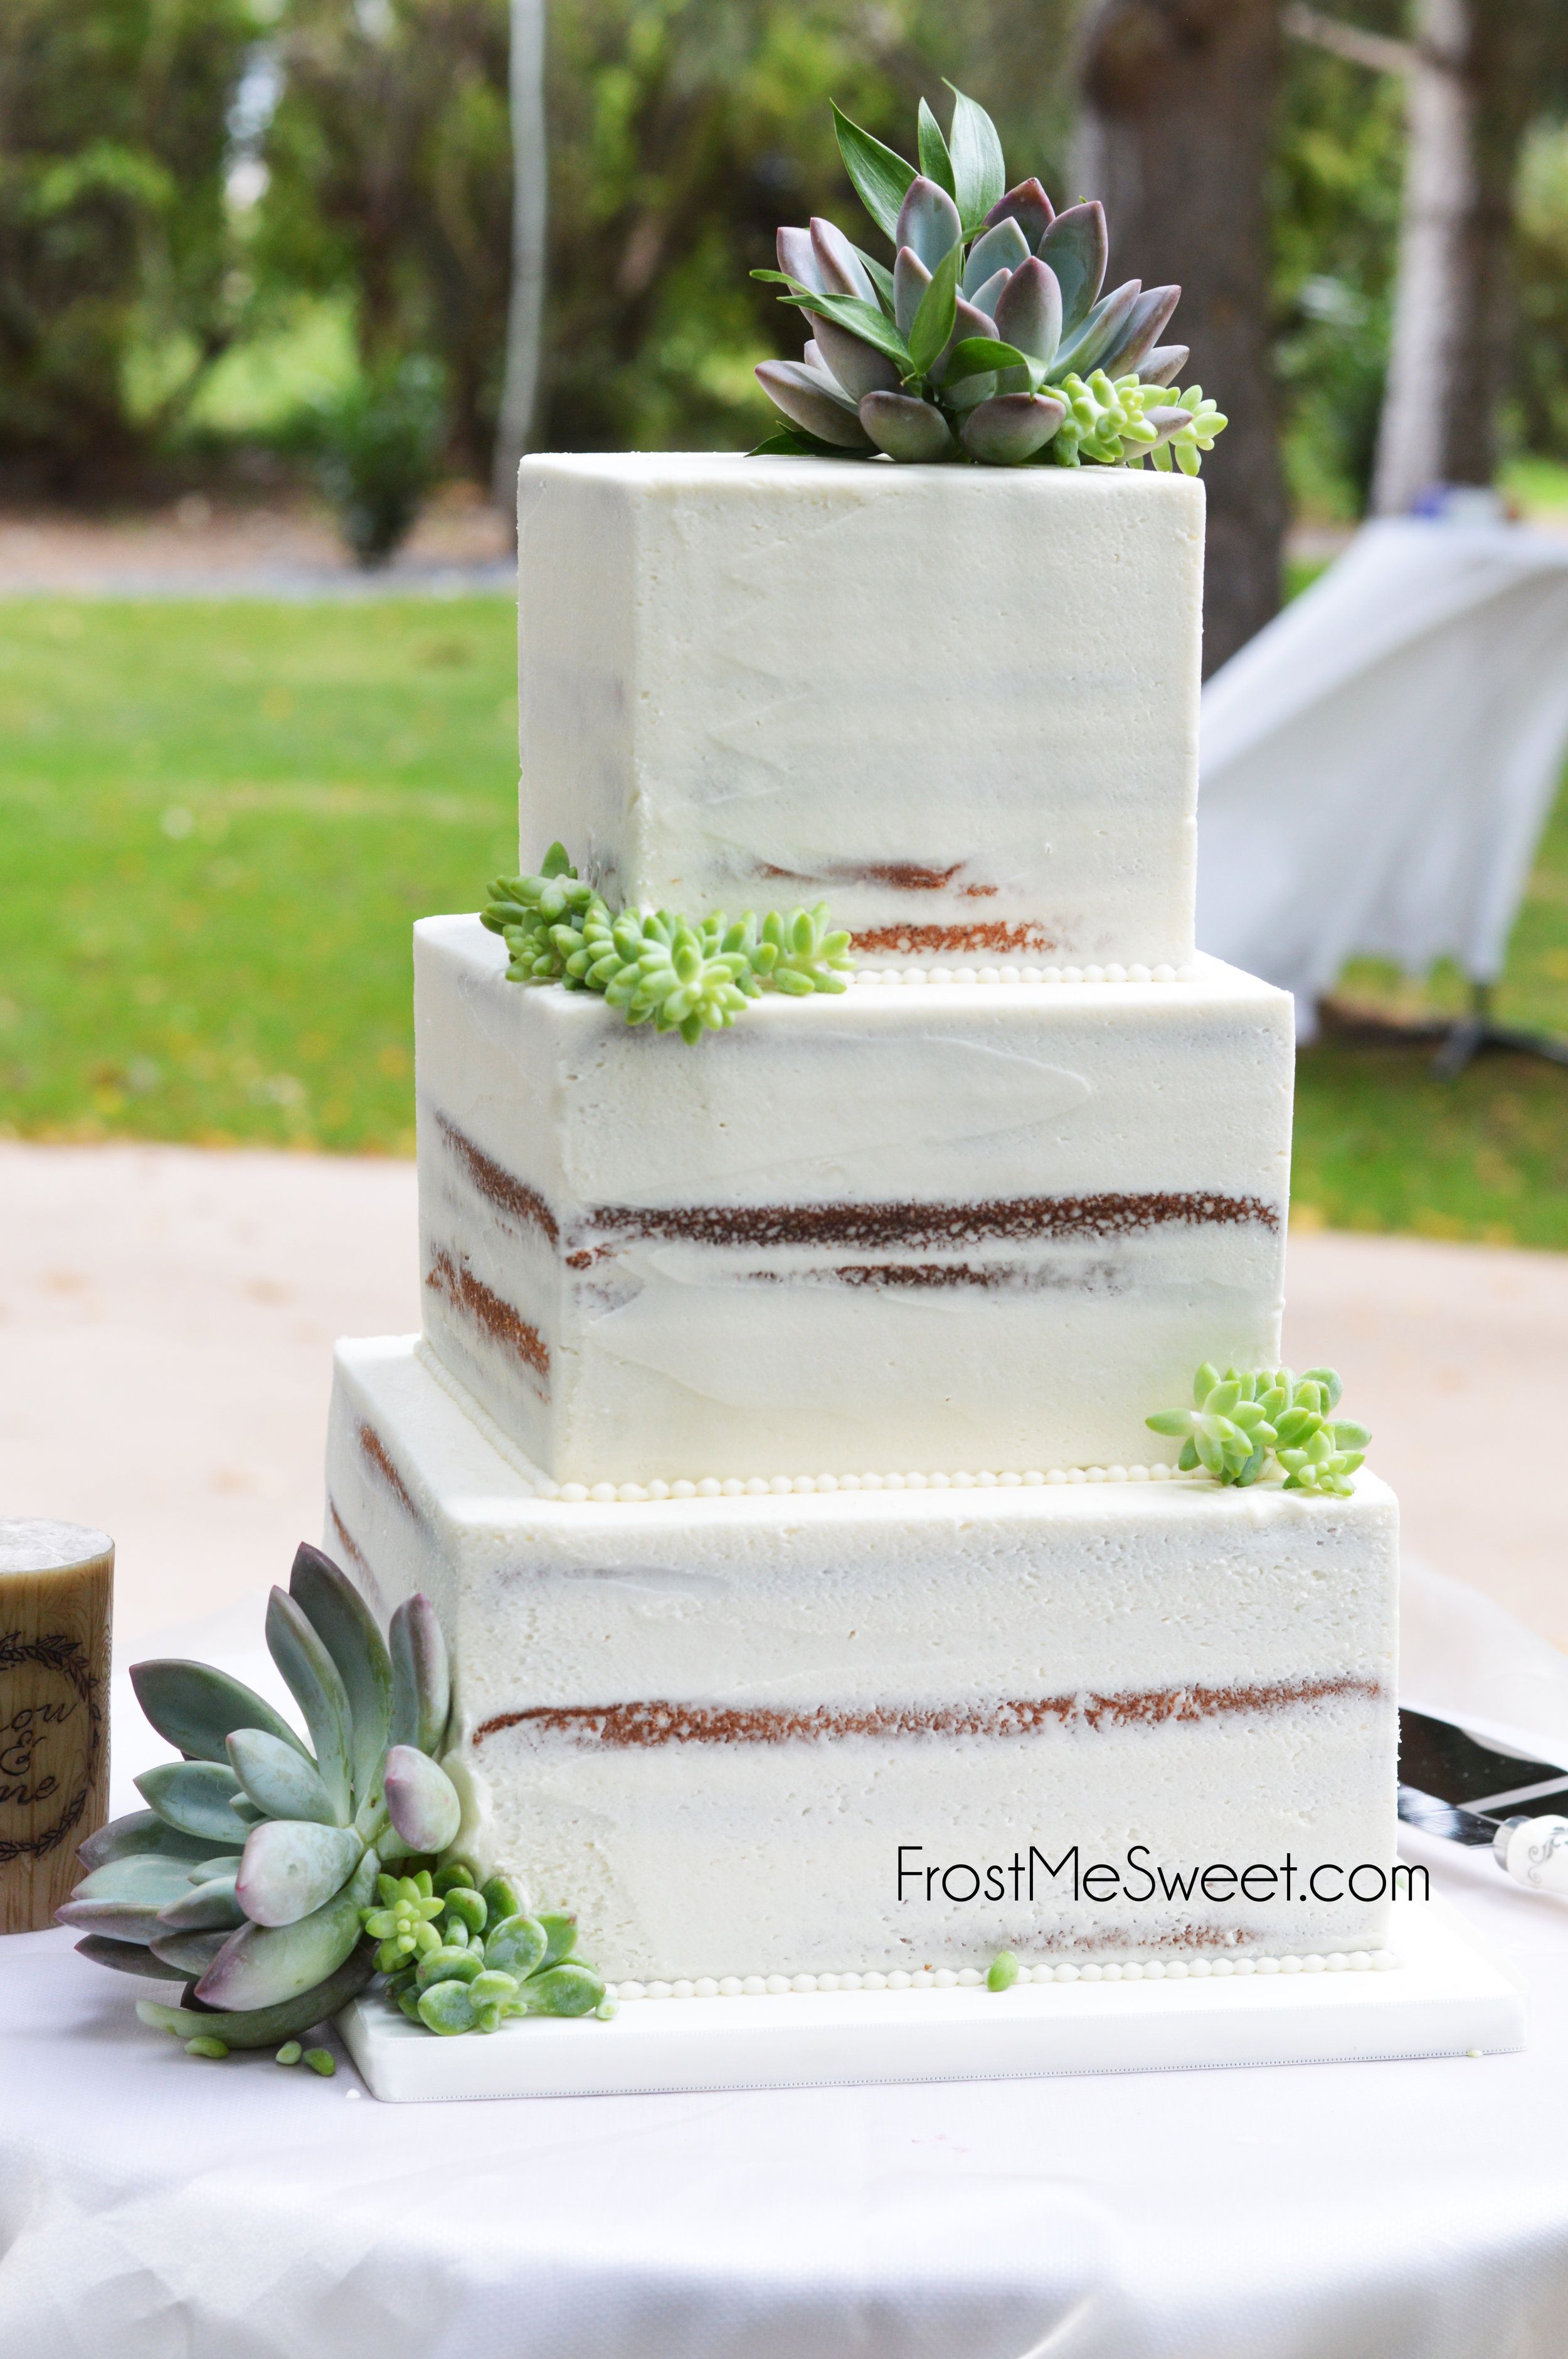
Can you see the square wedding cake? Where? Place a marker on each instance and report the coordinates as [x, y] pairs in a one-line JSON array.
[[776, 1453]]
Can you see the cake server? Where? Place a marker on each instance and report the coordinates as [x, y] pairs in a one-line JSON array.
[[1470, 1793]]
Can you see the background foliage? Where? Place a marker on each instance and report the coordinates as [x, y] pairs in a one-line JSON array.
[[148, 316]]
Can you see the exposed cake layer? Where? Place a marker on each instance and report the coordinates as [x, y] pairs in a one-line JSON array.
[[964, 1228], [719, 1730], [960, 703]]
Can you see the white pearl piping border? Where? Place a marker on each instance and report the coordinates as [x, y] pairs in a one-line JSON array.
[[1010, 974], [1133, 1970], [779, 1487]]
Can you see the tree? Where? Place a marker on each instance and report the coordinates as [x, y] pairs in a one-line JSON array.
[[530, 212], [1180, 100], [1476, 73], [390, 174], [115, 244]]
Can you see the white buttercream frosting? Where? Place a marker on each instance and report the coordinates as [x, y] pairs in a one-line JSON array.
[[796, 1685], [949, 1230], [960, 702]]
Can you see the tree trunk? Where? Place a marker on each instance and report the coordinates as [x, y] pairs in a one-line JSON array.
[[530, 199], [1176, 140], [1471, 94]]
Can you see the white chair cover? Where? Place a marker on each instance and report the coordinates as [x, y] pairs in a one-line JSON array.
[[1377, 764]]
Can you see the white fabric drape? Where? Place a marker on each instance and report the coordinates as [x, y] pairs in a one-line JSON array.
[[1377, 764], [152, 2207]]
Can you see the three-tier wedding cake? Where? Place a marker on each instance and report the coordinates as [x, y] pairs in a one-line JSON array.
[[775, 1451]]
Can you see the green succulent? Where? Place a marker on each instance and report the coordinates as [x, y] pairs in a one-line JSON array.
[[682, 975], [489, 1958], [989, 339], [256, 1874], [1242, 1420]]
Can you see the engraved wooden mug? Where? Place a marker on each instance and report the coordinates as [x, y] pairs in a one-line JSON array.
[[56, 1587]]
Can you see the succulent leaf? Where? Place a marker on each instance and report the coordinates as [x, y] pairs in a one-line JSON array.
[[204, 1908], [127, 1958], [568, 1989], [421, 1800], [191, 1952], [317, 1688], [932, 147], [1148, 316], [1011, 427], [933, 320], [140, 1833], [1003, 247], [421, 1676], [278, 1780], [1030, 207], [910, 280], [142, 1876], [194, 1707], [807, 401], [120, 1920], [292, 1867], [797, 259], [979, 173], [560, 1937], [1076, 246], [517, 1945], [855, 366], [193, 1796], [928, 223], [879, 177], [348, 1631], [1030, 313], [840, 268], [989, 295], [448, 2007], [266, 2026], [265, 1966], [1080, 351]]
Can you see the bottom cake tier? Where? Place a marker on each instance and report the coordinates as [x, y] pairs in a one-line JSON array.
[[892, 1731]]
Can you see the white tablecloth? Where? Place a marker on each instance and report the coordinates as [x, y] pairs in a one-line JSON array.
[[155, 2208]]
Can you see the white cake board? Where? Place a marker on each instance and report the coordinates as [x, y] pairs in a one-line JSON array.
[[1447, 1998]]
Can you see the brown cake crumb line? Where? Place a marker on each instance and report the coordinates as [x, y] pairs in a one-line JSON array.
[[352, 1551], [644, 1725], [1023, 1219], [903, 875], [498, 1186], [455, 1282], [1014, 937], [373, 1447]]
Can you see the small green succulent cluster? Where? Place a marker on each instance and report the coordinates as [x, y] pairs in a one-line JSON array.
[[681, 975], [989, 339], [252, 1874], [1114, 423], [1241, 1421], [462, 1956]]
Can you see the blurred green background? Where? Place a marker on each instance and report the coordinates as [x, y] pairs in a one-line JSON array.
[[224, 222]]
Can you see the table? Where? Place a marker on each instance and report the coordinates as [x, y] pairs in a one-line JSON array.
[[157, 2208]]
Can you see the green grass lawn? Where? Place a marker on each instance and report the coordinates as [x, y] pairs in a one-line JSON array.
[[217, 822]]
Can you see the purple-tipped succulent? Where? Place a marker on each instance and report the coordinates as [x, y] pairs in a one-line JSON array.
[[989, 337], [251, 1870]]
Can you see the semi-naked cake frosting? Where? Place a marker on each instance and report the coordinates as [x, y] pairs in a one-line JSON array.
[[776, 1453]]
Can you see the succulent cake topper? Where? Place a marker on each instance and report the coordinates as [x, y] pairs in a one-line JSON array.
[[1239, 1421], [681, 975], [989, 339], [256, 1874]]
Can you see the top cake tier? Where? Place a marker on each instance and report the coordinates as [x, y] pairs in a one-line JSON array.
[[959, 703]]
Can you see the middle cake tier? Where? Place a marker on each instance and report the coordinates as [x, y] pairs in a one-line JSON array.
[[954, 1227]]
